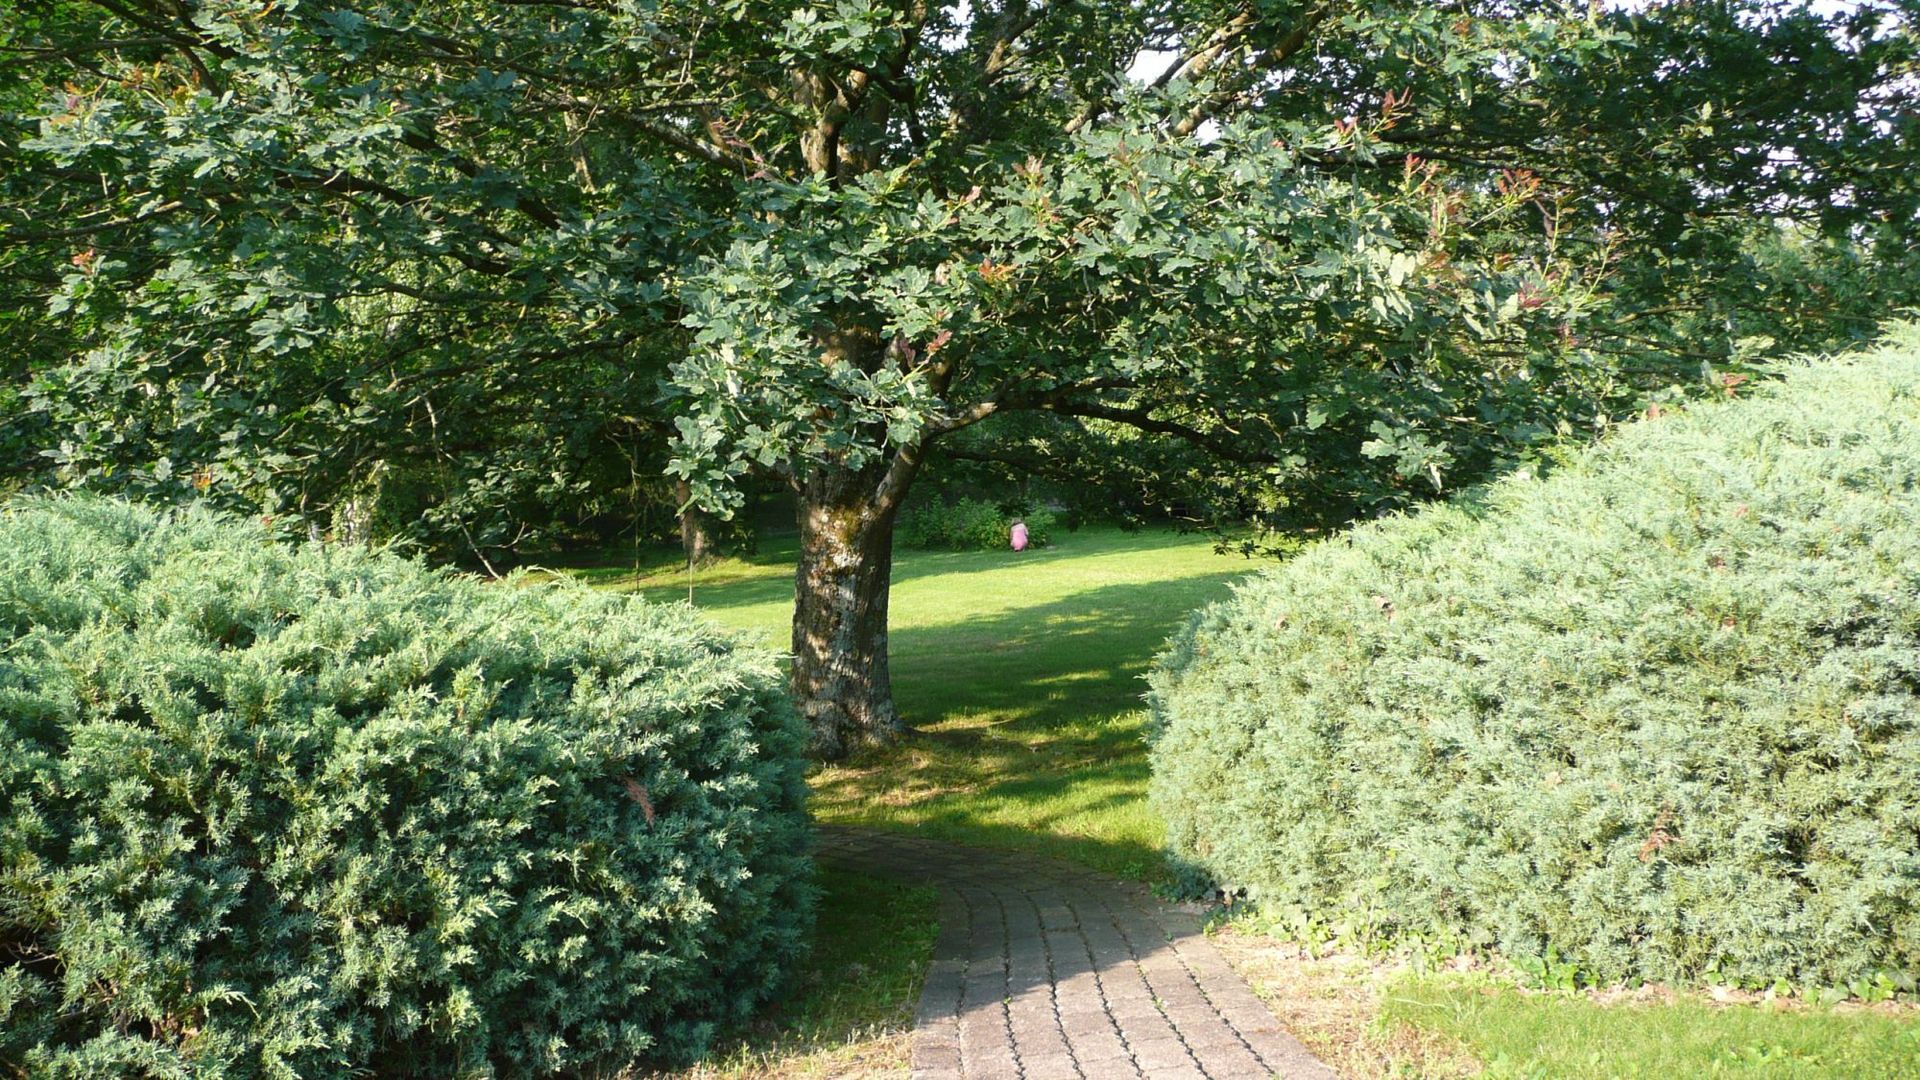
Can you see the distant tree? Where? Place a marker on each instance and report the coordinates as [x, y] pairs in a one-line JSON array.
[[1367, 246]]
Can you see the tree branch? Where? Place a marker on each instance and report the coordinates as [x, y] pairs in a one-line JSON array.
[[1282, 51], [530, 205], [1000, 55], [1008, 398], [1143, 420]]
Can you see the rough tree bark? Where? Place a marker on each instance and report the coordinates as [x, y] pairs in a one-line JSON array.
[[840, 675]]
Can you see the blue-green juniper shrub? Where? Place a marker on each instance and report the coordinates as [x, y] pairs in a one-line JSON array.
[[1655, 711], [305, 811]]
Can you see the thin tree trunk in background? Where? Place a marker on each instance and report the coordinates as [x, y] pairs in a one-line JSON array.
[[696, 528]]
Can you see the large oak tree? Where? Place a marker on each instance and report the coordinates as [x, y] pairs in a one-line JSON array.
[[1307, 237]]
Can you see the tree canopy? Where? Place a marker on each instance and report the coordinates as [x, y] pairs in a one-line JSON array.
[[1353, 251]]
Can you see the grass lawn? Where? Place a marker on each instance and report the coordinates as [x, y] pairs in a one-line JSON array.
[[1571, 1037], [1371, 1019], [1021, 675]]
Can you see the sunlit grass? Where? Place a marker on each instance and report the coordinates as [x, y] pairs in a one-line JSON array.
[[1021, 675], [1567, 1037]]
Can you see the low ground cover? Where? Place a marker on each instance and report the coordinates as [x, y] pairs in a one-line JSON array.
[[1574, 1037], [850, 1011]]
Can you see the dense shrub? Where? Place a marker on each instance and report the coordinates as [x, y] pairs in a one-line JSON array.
[[305, 811], [1655, 712], [969, 524]]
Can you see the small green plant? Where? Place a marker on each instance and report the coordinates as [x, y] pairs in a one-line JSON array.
[[301, 811], [1653, 717], [1551, 971]]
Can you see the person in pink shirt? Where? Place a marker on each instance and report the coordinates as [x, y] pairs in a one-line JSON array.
[[1018, 537]]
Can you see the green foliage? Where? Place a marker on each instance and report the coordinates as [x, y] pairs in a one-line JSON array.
[[430, 264], [968, 524], [299, 811], [1651, 717], [445, 266], [380, 367], [1137, 276]]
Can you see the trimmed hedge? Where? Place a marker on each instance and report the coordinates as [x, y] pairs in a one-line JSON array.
[[271, 811], [969, 524], [1655, 713]]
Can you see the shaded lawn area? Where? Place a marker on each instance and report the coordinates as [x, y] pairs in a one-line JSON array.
[[1021, 674]]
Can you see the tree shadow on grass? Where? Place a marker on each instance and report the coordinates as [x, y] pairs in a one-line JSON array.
[[1022, 684], [1071, 658], [1027, 733]]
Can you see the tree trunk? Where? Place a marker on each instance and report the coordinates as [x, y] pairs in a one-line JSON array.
[[840, 677], [696, 529]]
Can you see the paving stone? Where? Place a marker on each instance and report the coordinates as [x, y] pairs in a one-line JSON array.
[[1080, 1012], [983, 1027], [1096, 1047], [1156, 1056], [1053, 1066], [1209, 1031], [1185, 1072], [1044, 970], [1230, 1062], [990, 1070], [935, 1058], [1058, 917]]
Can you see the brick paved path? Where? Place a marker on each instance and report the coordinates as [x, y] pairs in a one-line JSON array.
[[1043, 970]]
